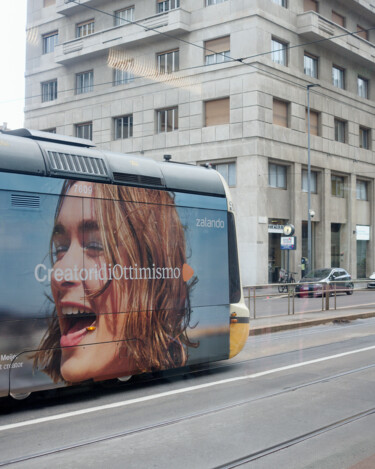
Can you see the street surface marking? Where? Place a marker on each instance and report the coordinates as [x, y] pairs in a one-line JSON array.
[[178, 391]]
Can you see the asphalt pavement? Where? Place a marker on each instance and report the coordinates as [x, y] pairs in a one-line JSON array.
[[268, 324]]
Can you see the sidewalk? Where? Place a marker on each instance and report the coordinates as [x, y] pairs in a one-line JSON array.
[[269, 324]]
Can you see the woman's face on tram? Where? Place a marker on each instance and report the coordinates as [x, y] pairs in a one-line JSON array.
[[84, 319]]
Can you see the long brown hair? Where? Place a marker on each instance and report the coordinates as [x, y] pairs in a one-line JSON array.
[[156, 311]]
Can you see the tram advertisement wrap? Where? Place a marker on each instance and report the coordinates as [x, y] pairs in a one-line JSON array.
[[101, 281]]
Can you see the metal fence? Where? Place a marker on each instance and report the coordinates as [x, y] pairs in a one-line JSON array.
[[329, 294]]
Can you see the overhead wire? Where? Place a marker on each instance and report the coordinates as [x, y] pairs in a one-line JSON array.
[[228, 58]]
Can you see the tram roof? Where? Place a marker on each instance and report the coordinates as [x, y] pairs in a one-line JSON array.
[[47, 154]]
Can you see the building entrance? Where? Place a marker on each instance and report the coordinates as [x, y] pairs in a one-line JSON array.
[[335, 244], [276, 256]]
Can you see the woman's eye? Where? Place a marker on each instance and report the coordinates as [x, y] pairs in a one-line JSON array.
[[94, 247], [59, 252]]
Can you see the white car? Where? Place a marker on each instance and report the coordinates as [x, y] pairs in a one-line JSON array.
[[371, 283]]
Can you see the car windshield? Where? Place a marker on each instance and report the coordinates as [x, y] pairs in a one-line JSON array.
[[318, 273]]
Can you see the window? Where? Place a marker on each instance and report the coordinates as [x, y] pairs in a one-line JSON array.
[[310, 65], [279, 52], [52, 130], [85, 28], [217, 50], [84, 82], [364, 138], [361, 32], [124, 16], [362, 87], [84, 130], [310, 5], [213, 2], [313, 181], [166, 5], [123, 127], [338, 19], [362, 192], [49, 42], [48, 3], [228, 171], [280, 113], [168, 62], [49, 91], [338, 77], [337, 186], [167, 120], [122, 77], [277, 176], [314, 122], [340, 127], [217, 112], [282, 3]]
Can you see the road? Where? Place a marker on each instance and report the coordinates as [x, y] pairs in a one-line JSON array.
[[297, 399], [269, 302]]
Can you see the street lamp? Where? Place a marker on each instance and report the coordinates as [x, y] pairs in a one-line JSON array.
[[309, 179]]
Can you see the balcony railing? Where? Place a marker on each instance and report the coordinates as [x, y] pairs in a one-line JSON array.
[[172, 22], [313, 27]]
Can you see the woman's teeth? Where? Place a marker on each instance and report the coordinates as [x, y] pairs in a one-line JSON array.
[[66, 311]]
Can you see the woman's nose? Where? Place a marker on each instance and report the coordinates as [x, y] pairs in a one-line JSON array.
[[68, 270]]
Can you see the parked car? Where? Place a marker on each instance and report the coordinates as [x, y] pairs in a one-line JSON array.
[[371, 283], [313, 283]]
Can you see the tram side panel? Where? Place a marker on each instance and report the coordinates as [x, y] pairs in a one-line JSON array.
[[24, 306], [34, 349]]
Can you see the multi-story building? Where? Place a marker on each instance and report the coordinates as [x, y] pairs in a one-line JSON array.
[[225, 82]]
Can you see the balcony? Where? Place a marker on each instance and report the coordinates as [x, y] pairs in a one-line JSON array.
[[314, 27], [364, 7], [173, 22], [65, 7]]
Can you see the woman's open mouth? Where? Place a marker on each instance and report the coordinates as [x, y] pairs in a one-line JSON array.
[[75, 323]]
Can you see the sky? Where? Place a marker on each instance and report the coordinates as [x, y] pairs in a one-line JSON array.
[[12, 59]]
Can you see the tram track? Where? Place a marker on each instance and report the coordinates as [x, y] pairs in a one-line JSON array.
[[201, 369], [222, 408], [296, 440]]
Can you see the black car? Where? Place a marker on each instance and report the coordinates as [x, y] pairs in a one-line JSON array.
[[313, 283]]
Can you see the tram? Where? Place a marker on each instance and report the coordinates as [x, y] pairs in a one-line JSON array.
[[111, 264]]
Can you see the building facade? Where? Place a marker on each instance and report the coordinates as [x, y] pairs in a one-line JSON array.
[[225, 82]]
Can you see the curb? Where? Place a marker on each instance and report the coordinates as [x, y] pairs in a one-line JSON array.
[[269, 328]]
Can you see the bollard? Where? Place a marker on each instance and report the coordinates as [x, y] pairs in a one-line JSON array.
[[293, 293], [327, 289], [255, 294], [335, 297]]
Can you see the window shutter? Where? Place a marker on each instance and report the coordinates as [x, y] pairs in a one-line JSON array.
[[310, 5], [361, 32], [338, 19], [217, 112], [280, 113], [216, 46]]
